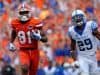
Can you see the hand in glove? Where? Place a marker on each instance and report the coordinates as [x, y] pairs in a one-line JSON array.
[[11, 47], [36, 35]]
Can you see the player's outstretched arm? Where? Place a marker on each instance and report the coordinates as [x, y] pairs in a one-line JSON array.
[[73, 49], [11, 46], [96, 33]]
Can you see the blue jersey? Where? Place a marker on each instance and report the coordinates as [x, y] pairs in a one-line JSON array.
[[85, 40]]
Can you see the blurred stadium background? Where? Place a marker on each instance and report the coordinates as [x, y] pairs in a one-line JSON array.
[[56, 15]]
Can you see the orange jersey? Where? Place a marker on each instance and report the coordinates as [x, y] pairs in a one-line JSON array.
[[23, 31]]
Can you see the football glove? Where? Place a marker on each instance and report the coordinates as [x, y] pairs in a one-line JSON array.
[[36, 35], [11, 47], [75, 64]]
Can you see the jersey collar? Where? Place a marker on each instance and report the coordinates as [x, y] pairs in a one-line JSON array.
[[77, 30]]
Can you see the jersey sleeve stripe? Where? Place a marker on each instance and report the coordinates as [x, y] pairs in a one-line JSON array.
[[39, 25]]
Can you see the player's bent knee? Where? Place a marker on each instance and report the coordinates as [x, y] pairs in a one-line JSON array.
[[24, 69]]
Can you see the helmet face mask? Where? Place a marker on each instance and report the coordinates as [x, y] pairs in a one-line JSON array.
[[23, 12], [78, 17], [24, 16]]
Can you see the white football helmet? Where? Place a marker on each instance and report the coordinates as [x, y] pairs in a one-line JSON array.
[[78, 17], [24, 12]]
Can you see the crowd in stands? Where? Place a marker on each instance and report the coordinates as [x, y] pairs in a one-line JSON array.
[[56, 15]]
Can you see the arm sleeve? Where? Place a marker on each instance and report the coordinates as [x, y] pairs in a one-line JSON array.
[[94, 26], [13, 26], [39, 25], [69, 33]]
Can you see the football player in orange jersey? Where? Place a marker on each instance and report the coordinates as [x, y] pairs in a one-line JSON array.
[[29, 31]]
